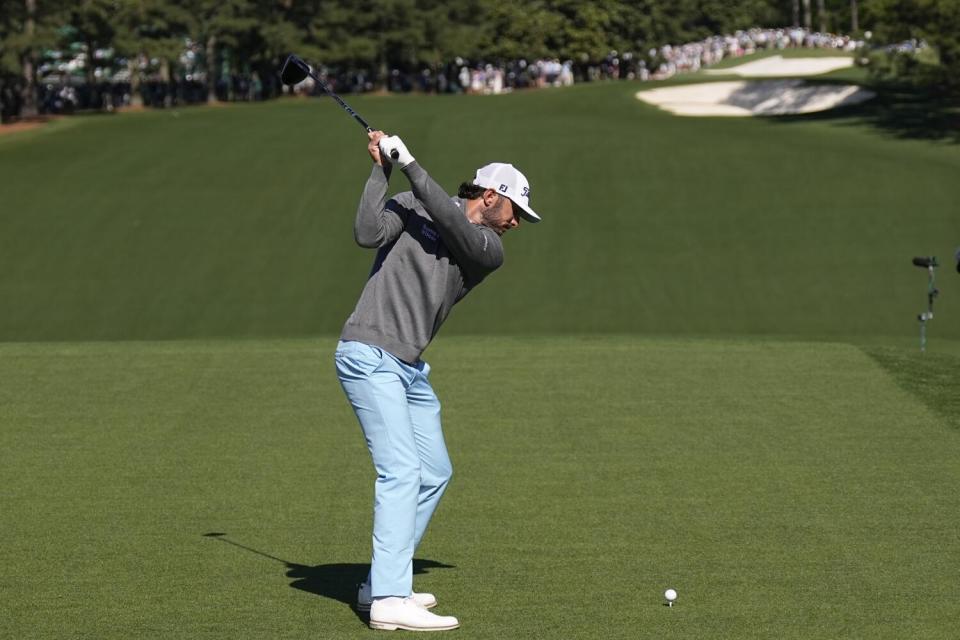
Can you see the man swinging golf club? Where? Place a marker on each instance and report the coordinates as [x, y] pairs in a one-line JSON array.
[[431, 251]]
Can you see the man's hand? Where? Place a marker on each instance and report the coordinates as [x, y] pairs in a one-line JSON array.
[[374, 146], [395, 151]]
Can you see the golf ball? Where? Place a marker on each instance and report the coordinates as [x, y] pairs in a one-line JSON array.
[[670, 594]]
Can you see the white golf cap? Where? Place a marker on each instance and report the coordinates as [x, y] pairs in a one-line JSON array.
[[505, 179]]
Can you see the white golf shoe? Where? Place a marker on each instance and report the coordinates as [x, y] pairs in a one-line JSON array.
[[425, 600], [390, 614]]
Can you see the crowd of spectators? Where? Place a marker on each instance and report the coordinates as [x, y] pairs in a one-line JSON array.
[[492, 79], [483, 77], [673, 59], [670, 59], [458, 76]]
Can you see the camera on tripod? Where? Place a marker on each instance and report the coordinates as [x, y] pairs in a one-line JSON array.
[[930, 264]]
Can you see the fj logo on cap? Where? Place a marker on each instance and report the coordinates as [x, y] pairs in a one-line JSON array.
[[503, 188]]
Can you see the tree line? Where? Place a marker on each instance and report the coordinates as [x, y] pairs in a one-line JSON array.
[[230, 37], [937, 23]]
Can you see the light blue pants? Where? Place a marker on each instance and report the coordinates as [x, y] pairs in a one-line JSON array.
[[400, 417]]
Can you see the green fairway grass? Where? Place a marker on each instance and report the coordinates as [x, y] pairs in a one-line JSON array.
[[786, 490], [237, 221]]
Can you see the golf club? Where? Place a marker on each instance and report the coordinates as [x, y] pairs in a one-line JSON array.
[[295, 70]]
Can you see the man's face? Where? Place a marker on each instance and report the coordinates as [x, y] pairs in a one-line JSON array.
[[501, 214]]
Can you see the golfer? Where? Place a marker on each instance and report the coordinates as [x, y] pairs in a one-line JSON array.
[[431, 251]]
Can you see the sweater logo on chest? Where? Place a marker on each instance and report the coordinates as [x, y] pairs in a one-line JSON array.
[[429, 233]]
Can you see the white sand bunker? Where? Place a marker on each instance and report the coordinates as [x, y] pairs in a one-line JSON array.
[[753, 98], [785, 67]]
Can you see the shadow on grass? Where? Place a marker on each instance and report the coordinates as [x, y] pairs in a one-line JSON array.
[[933, 378], [338, 581], [901, 111]]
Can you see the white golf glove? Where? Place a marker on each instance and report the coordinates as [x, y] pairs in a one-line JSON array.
[[395, 151]]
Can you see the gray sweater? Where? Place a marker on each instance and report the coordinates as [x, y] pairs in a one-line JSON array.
[[429, 257]]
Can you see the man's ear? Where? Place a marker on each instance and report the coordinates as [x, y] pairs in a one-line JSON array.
[[489, 197]]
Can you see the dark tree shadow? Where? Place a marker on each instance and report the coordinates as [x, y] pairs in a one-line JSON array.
[[899, 110], [337, 581]]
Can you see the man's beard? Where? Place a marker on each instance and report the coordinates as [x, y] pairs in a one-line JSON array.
[[491, 215]]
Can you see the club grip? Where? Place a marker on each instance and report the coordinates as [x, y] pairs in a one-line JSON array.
[[393, 154], [925, 261]]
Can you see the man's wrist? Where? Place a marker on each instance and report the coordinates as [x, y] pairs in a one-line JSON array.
[[413, 167]]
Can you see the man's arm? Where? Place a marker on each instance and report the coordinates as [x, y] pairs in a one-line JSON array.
[[378, 222], [477, 249]]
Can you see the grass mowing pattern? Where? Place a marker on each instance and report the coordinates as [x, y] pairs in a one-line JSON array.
[[788, 490], [932, 377], [237, 221]]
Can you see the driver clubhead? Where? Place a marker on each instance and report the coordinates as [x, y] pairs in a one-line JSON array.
[[294, 70]]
